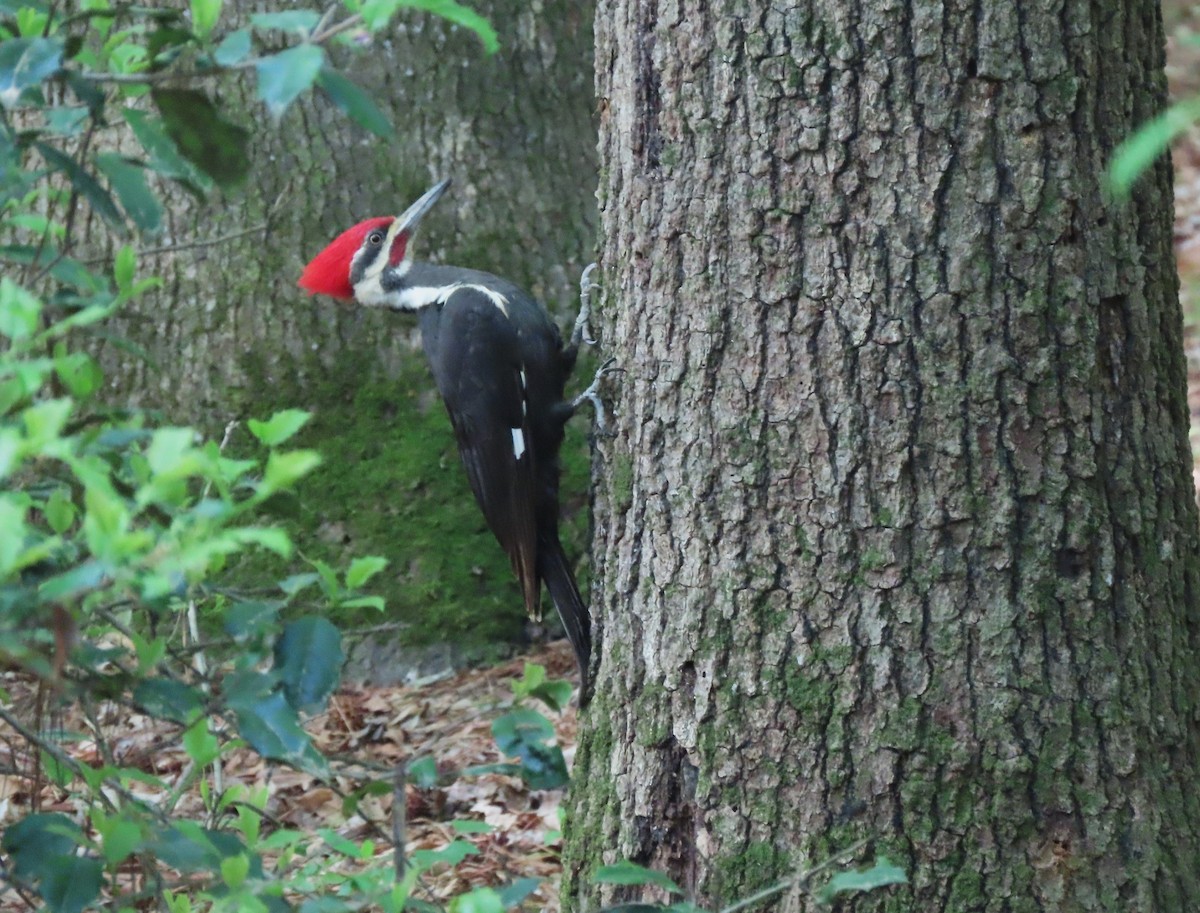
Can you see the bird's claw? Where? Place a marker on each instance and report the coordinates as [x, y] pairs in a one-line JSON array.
[[592, 395], [583, 331]]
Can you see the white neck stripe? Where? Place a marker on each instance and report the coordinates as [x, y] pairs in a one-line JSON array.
[[416, 297]]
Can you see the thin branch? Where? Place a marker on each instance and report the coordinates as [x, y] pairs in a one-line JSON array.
[[797, 879], [190, 245], [399, 818], [324, 20], [155, 77], [344, 26], [200, 660]]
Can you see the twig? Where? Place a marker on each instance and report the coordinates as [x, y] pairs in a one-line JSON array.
[[190, 245], [200, 660], [797, 879], [344, 26], [399, 818], [325, 17], [153, 77]]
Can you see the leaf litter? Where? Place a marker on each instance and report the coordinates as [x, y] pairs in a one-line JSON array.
[[366, 731]]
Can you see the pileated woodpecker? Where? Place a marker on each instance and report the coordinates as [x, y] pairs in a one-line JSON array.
[[500, 365]]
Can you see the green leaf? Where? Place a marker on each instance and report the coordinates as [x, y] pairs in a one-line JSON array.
[[164, 155], [24, 63], [80, 373], [214, 145], [480, 900], [297, 582], [234, 870], [363, 602], [44, 421], [308, 658], [86, 185], [66, 121], [523, 732], [38, 838], [354, 102], [630, 873], [119, 838], [423, 772], [233, 49], [519, 726], [71, 883], [471, 827], [282, 77], [168, 699], [555, 694], [59, 511], [303, 21], [455, 12], [19, 311], [125, 268], [284, 468], [270, 726], [87, 92], [129, 182], [451, 854], [166, 43], [363, 569], [205, 14], [340, 844], [1137, 153], [187, 846], [513, 894], [268, 537], [244, 620], [879, 875], [170, 450], [280, 426]]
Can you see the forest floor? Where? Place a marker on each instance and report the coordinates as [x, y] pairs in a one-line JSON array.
[[514, 829]]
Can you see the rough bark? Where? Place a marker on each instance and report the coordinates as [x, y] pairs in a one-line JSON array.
[[230, 336], [897, 535]]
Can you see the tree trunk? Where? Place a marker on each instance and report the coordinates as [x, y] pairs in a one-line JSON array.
[[230, 336], [897, 535]]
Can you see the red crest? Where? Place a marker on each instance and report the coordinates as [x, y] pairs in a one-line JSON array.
[[329, 271]]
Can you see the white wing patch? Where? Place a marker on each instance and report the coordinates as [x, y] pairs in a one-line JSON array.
[[518, 443], [417, 297]]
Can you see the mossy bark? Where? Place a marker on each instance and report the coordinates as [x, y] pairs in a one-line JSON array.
[[897, 536], [230, 336]]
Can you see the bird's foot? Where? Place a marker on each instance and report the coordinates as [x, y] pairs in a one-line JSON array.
[[592, 395], [583, 330]]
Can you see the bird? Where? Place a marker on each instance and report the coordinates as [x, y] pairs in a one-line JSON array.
[[501, 366]]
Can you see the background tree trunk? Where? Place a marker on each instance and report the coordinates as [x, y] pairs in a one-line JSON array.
[[897, 535], [230, 335]]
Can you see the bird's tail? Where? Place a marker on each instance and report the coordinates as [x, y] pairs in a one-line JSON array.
[[560, 581]]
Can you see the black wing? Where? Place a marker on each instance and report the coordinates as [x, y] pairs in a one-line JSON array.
[[474, 352]]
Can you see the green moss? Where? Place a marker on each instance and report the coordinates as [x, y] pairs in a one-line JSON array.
[[872, 559], [392, 484], [654, 725], [755, 867], [592, 802], [620, 480]]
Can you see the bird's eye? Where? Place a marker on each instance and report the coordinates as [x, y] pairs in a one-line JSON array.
[[375, 238]]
